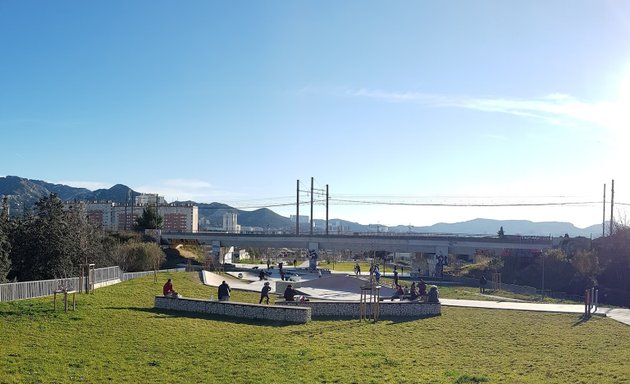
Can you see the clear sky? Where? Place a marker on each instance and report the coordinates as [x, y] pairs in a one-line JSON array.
[[414, 102]]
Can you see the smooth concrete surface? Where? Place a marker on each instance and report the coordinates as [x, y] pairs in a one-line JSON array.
[[331, 293]]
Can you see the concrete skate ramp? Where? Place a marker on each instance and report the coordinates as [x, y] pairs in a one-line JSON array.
[[343, 283], [214, 279], [245, 275]]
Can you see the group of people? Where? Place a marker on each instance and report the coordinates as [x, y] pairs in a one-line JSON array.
[[415, 292], [224, 290], [412, 293]]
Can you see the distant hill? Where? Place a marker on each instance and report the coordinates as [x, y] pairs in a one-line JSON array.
[[24, 193], [510, 227]]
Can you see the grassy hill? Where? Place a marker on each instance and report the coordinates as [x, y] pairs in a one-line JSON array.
[[115, 336]]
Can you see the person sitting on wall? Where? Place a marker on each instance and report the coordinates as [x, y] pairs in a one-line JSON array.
[[433, 296], [167, 289], [399, 293], [289, 293], [413, 292], [224, 292], [422, 289]]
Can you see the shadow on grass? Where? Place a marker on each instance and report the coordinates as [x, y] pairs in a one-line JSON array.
[[401, 320], [169, 314], [581, 320], [24, 308]]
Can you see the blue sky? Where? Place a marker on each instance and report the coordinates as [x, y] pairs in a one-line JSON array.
[[415, 102]]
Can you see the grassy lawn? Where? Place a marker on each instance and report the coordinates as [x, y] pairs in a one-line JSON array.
[[115, 336]]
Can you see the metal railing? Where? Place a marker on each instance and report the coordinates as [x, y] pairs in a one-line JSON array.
[[40, 288], [132, 275]]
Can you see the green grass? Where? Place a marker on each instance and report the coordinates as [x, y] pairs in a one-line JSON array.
[[115, 336]]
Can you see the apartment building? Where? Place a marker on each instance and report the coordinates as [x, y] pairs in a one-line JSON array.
[[120, 217]]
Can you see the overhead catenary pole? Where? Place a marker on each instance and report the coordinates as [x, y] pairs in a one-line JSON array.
[[612, 205], [604, 214], [311, 232], [326, 209], [297, 209]]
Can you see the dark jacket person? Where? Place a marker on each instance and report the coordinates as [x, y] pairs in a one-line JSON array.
[[224, 292], [289, 293]]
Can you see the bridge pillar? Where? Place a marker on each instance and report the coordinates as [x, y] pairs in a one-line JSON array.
[[313, 255], [216, 249]]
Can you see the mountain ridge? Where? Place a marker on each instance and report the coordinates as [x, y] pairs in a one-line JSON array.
[[24, 193]]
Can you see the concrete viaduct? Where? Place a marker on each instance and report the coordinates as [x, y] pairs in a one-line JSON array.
[[457, 245]]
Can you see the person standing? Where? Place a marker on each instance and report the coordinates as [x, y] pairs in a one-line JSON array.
[[264, 292], [395, 277], [377, 274], [224, 292]]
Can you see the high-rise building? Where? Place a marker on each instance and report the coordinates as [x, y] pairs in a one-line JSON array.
[[120, 217], [149, 199], [230, 223]]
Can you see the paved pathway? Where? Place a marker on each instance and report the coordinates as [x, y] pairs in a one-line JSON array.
[[620, 314]]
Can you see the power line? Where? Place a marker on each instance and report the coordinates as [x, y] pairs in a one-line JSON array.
[[402, 203]]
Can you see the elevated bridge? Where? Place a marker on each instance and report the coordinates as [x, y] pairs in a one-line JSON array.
[[429, 243]]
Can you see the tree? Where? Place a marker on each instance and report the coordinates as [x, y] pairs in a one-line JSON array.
[[150, 219], [135, 256], [586, 264], [52, 242], [5, 246], [501, 233]]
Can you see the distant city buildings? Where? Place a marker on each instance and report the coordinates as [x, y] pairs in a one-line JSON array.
[[377, 228], [149, 199], [120, 217], [230, 223], [338, 227], [304, 219]]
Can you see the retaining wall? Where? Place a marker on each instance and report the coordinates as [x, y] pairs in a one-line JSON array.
[[350, 309], [290, 314]]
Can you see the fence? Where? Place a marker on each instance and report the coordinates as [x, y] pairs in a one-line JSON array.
[[520, 289], [31, 289]]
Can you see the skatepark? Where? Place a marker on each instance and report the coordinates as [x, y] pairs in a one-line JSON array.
[[345, 286]]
